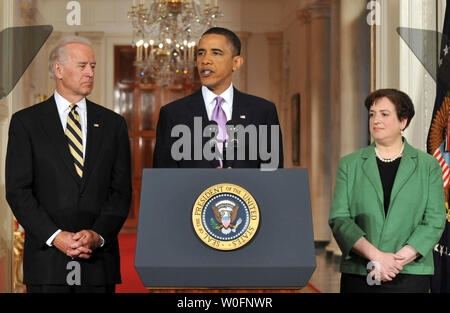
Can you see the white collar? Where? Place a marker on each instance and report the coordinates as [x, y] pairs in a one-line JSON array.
[[209, 98], [63, 104]]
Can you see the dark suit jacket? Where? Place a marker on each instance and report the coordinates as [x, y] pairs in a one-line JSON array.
[[45, 193], [257, 111]]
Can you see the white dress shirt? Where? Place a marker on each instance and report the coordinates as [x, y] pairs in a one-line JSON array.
[[63, 107], [210, 102]]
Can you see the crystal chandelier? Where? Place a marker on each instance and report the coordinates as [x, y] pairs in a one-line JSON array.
[[165, 36]]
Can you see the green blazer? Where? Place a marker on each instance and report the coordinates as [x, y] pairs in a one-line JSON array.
[[416, 214]]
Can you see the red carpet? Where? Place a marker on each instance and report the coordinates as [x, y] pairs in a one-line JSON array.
[[131, 283]]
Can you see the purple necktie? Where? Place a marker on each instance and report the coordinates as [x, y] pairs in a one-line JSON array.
[[219, 116]]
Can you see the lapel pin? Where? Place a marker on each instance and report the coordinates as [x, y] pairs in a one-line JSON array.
[[96, 125], [243, 117]]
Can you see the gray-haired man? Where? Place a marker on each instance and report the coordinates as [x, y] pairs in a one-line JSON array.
[[68, 180]]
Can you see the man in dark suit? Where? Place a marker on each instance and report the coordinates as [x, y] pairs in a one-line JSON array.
[[68, 180], [220, 104]]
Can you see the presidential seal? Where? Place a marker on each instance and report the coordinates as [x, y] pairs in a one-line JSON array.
[[225, 217]]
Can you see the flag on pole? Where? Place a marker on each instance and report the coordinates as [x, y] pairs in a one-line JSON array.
[[438, 144]]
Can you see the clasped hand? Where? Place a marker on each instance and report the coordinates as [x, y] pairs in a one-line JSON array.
[[77, 245], [386, 266]]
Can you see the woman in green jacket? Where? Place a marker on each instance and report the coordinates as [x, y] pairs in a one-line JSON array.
[[388, 208]]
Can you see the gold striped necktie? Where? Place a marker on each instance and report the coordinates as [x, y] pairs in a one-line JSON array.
[[75, 139]]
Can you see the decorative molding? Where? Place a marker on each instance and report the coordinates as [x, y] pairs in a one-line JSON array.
[[276, 84], [243, 35], [320, 10], [111, 41], [28, 12], [18, 246], [3, 248], [54, 37], [4, 111], [319, 47], [7, 19], [303, 16], [274, 38], [92, 36], [243, 72], [413, 78]]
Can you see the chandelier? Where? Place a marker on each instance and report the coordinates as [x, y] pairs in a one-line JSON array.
[[165, 36]]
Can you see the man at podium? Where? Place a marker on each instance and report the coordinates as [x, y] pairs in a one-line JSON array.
[[218, 126]]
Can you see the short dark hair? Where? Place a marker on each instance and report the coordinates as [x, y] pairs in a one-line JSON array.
[[402, 102], [232, 38]]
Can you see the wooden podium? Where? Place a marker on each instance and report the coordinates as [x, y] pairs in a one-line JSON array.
[[171, 258]]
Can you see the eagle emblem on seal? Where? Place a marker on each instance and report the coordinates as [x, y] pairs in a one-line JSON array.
[[225, 213], [225, 217]]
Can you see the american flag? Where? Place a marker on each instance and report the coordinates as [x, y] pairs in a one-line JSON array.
[[445, 170]]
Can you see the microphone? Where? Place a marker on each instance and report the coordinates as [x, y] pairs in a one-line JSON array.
[[213, 130], [232, 140], [232, 143]]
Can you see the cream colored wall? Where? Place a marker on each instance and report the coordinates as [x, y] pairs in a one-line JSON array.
[[398, 67], [258, 67], [256, 18], [104, 23], [350, 74], [110, 18], [305, 70], [353, 75], [265, 24], [296, 67], [7, 10], [277, 63]]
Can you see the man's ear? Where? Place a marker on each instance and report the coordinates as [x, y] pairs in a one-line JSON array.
[[57, 69], [237, 62]]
